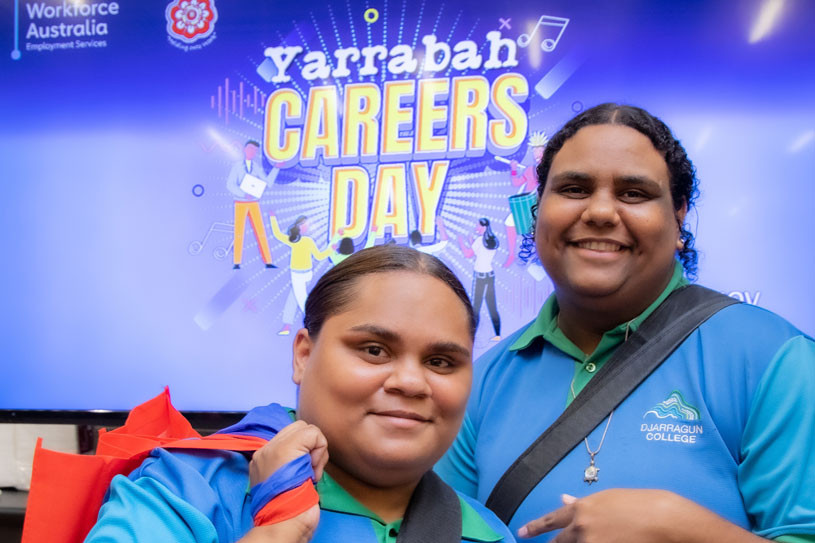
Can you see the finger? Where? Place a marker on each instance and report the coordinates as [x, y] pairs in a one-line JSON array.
[[567, 535], [320, 463], [318, 449], [293, 427], [567, 499], [560, 518]]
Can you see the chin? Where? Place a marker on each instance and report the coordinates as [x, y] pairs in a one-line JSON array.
[[592, 287], [381, 468]]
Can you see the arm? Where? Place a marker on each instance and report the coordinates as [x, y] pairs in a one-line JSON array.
[[442, 229], [466, 247], [778, 446], [529, 179], [281, 237], [292, 442], [320, 254], [270, 178], [636, 516], [775, 477], [371, 237], [175, 497], [233, 181], [516, 178]]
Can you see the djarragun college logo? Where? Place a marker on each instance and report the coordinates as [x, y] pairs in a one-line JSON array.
[[672, 420]]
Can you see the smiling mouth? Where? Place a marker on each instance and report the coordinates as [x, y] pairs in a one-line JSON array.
[[601, 246], [406, 415]]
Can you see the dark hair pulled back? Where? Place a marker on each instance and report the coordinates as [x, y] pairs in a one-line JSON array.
[[336, 289]]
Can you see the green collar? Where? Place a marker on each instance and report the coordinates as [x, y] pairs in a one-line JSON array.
[[334, 497], [545, 325]]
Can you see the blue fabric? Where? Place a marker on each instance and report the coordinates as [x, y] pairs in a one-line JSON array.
[[287, 477], [263, 422], [196, 496], [726, 421], [337, 526]]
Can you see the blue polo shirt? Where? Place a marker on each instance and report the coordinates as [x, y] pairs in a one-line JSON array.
[[195, 496], [726, 421]]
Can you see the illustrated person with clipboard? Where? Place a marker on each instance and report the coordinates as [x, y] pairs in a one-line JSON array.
[[637, 407], [247, 182]]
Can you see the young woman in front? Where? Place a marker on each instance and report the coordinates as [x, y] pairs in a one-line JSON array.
[[384, 367]]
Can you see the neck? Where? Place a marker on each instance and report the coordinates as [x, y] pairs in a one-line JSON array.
[[584, 319], [585, 322], [389, 503]]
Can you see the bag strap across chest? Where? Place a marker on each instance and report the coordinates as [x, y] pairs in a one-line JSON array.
[[653, 342]]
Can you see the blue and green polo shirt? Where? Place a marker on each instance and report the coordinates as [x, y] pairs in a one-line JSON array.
[[726, 421]]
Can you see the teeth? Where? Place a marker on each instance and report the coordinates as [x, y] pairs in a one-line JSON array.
[[599, 246]]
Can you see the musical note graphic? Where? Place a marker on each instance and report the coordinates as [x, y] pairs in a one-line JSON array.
[[547, 44], [219, 253]]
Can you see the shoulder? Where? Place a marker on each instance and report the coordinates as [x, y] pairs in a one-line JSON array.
[[498, 371], [480, 524], [186, 472], [499, 357], [749, 330]]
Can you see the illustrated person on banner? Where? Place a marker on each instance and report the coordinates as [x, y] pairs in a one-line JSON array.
[[247, 182], [344, 246], [483, 248], [521, 203], [431, 248], [303, 251]]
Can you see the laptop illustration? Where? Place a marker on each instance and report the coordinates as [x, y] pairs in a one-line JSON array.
[[252, 185]]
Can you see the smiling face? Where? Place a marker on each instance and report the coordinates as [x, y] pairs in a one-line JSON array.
[[387, 378], [607, 230]]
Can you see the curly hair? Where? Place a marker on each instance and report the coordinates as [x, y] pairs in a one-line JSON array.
[[683, 182]]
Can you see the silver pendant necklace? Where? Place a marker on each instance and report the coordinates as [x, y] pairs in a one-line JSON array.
[[591, 473]]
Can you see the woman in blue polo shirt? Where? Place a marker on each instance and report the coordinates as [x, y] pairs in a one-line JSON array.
[[384, 368], [717, 443]]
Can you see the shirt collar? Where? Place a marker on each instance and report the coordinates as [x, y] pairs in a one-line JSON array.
[[334, 497], [545, 324]]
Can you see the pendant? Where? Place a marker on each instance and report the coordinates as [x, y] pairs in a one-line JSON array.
[[590, 475]]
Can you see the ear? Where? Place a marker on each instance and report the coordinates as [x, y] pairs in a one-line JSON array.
[[301, 352], [680, 220]]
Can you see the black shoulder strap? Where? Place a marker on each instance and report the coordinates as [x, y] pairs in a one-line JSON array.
[[433, 514], [658, 336]]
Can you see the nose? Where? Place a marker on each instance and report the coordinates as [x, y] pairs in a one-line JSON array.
[[409, 378], [601, 209]]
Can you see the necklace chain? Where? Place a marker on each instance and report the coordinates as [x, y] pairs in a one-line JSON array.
[[592, 471], [605, 431]]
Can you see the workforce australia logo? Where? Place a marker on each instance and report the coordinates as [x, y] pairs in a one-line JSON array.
[[190, 21], [677, 421]]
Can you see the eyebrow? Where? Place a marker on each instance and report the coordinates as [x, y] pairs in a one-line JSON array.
[[384, 333], [571, 176], [636, 180], [389, 335]]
